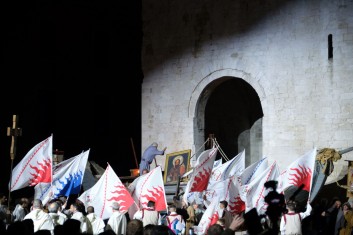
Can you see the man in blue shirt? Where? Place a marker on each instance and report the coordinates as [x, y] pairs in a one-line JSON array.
[[148, 156]]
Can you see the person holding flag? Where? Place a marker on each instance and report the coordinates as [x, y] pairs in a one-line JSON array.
[[291, 222]]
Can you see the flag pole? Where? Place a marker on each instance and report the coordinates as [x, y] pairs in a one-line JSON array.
[[14, 132], [133, 150]]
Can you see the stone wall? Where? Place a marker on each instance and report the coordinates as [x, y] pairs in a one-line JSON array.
[[279, 47]]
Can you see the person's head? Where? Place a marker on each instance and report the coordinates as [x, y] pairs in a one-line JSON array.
[[154, 144], [335, 202], [338, 203], [37, 204], [74, 207], [90, 209], [63, 199], [291, 205], [151, 204], [223, 204], [221, 221], [215, 229], [72, 226], [24, 202], [115, 206], [145, 171], [53, 207], [3, 199], [148, 229], [29, 224], [134, 227], [347, 206], [172, 208], [162, 230], [195, 205]]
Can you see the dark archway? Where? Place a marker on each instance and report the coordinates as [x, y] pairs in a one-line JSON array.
[[232, 108]]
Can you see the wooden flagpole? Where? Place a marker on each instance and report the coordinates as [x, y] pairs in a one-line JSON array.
[[133, 150], [14, 132]]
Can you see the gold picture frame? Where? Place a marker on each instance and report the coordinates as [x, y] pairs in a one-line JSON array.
[[171, 172]]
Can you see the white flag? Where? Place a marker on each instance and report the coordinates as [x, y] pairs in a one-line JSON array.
[[253, 194], [35, 167], [67, 179], [209, 217], [217, 163], [227, 190], [228, 169], [202, 170], [253, 171], [148, 187], [107, 190], [299, 172]]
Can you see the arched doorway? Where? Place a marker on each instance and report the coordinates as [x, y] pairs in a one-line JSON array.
[[230, 109]]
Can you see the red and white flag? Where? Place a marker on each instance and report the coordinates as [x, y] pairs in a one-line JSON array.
[[298, 172], [227, 190], [148, 187], [209, 217], [220, 174], [107, 190], [202, 171], [253, 194], [35, 167]]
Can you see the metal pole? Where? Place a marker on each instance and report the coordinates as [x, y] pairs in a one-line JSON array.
[[343, 151]]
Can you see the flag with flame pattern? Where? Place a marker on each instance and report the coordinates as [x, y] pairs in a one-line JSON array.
[[35, 167], [202, 170], [148, 187], [67, 179], [209, 217], [107, 190], [298, 173]]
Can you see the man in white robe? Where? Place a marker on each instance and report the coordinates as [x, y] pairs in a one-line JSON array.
[[98, 224], [41, 219], [58, 219], [21, 210], [86, 226], [149, 215], [117, 221]]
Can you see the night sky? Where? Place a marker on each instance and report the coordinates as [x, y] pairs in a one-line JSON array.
[[72, 69]]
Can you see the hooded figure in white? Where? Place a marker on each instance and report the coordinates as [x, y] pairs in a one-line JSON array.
[[117, 221], [98, 224], [58, 219], [86, 226], [41, 219]]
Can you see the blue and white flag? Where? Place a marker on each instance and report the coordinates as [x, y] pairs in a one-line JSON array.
[[253, 171], [67, 179]]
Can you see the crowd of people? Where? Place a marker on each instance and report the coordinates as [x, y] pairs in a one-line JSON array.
[[30, 216]]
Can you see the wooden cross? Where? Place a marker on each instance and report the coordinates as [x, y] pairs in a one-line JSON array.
[[14, 133]]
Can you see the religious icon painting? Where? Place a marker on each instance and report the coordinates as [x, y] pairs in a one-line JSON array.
[[176, 165]]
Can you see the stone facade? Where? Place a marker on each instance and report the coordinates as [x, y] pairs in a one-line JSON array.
[[280, 48]]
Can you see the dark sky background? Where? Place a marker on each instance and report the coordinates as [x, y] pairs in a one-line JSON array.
[[72, 69]]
